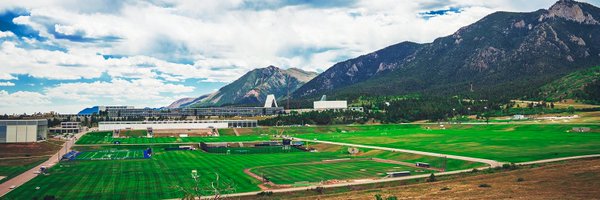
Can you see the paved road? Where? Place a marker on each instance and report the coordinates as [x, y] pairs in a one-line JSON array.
[[30, 174], [492, 163]]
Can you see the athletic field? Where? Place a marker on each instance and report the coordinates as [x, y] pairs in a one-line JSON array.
[[323, 171], [111, 155], [158, 176]]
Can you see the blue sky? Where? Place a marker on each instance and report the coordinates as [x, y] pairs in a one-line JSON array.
[[64, 55]]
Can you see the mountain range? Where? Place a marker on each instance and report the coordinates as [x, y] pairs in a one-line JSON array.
[[505, 55], [252, 88]]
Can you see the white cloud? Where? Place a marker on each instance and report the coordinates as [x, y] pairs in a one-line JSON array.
[[21, 98], [117, 90], [4, 34], [7, 83]]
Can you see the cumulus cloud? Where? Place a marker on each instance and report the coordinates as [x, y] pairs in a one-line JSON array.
[[7, 83], [117, 90], [21, 99], [5, 34]]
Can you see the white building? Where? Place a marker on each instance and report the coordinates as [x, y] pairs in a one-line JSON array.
[[183, 124], [329, 105], [323, 104], [16, 131], [67, 127]]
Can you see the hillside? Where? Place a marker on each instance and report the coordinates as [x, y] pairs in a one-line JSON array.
[[577, 85], [253, 87], [504, 55]]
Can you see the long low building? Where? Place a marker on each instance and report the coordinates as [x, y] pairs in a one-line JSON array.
[[16, 131], [181, 112], [182, 124]]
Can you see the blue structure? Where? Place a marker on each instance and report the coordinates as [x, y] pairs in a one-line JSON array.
[[89, 111], [148, 153], [71, 155]]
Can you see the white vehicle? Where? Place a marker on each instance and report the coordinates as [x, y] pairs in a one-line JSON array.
[[12, 187]]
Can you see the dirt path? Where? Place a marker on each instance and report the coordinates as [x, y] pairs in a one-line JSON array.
[[30, 174], [492, 163]]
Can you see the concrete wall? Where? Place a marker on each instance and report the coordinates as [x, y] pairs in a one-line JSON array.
[[20, 133], [110, 127], [324, 105]]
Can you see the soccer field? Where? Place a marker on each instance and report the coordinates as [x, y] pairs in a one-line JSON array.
[[110, 155]]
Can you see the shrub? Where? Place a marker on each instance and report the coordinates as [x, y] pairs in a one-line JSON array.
[[431, 178], [319, 190], [378, 197], [520, 179], [265, 193], [484, 185]]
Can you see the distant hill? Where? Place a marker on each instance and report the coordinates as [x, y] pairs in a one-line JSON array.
[[504, 55], [252, 88]]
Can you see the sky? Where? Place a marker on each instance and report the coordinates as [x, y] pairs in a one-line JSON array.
[[65, 55]]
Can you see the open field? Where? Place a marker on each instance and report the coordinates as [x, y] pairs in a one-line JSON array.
[[323, 171], [157, 177], [578, 179], [502, 142], [511, 143]]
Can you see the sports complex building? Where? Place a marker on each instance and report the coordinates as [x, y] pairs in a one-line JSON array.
[[15, 131], [182, 124], [183, 112]]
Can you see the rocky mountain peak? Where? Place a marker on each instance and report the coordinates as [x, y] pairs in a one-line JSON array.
[[570, 10]]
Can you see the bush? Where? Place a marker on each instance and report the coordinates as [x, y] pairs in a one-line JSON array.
[[319, 190], [431, 178], [520, 179], [484, 185], [510, 166], [379, 197], [265, 193]]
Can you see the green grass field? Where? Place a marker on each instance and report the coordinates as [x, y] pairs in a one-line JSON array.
[[13, 167], [289, 174], [111, 155], [157, 177], [106, 138], [512, 143]]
